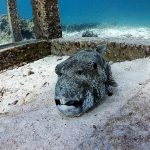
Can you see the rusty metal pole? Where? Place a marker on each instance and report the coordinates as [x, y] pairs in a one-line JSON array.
[[53, 25], [14, 21], [46, 19]]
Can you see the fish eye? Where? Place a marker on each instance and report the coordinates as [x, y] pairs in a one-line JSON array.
[[59, 73], [92, 65], [79, 72], [95, 65]]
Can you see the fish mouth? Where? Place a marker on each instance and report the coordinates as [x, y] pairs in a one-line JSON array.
[[70, 111], [71, 108], [75, 103]]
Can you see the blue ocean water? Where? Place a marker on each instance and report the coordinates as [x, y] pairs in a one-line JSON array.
[[121, 12]]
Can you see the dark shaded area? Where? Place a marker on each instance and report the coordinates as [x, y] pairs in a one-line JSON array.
[[27, 29], [57, 101], [74, 103]]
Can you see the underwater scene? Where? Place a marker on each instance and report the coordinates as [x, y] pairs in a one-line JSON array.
[[74, 74], [123, 19]]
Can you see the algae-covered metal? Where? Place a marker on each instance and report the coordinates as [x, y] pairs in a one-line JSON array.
[[14, 21]]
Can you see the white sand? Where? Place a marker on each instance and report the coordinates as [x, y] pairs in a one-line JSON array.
[[29, 118], [115, 32], [138, 35]]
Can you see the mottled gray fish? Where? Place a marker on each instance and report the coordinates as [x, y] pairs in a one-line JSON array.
[[83, 80]]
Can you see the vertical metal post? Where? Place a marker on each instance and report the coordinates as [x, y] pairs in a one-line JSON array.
[[14, 21], [46, 19]]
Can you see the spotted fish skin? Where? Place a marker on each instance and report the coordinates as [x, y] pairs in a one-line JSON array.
[[83, 80]]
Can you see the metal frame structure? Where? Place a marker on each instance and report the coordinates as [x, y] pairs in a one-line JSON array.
[[45, 17]]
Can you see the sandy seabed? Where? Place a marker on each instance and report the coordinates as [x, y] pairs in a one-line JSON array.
[[116, 32], [128, 34], [29, 118]]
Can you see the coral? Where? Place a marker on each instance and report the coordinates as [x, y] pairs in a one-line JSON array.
[[26, 29]]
